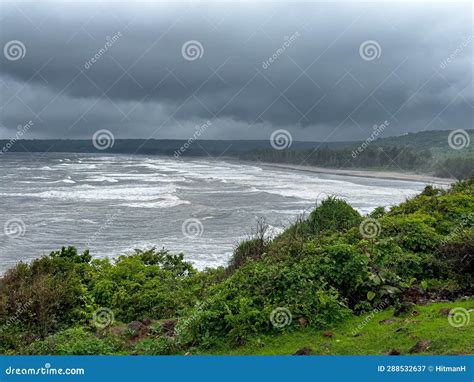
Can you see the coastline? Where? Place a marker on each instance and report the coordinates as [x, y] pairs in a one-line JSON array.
[[377, 174]]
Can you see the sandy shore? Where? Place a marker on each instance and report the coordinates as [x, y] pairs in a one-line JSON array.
[[362, 173]]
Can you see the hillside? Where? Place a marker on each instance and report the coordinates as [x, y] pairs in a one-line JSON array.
[[424, 140], [312, 286]]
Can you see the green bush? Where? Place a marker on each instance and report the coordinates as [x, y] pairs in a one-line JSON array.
[[73, 341], [241, 306], [249, 249], [47, 295], [157, 346], [147, 284], [333, 215], [413, 232]]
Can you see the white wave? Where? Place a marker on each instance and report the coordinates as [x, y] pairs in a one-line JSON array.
[[77, 166], [306, 187], [104, 193], [150, 178], [170, 201], [273, 231], [101, 179], [68, 180], [65, 180]]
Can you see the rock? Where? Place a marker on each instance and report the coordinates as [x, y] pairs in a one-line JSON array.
[[386, 321], [167, 327], [413, 295], [394, 352], [328, 334], [444, 311], [117, 331], [147, 321], [402, 330], [136, 328], [303, 322], [404, 307], [420, 346], [304, 351]]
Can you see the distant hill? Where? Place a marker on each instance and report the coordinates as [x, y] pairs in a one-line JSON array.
[[199, 147], [426, 140]]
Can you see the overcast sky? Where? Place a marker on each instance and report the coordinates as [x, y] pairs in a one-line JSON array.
[[337, 69]]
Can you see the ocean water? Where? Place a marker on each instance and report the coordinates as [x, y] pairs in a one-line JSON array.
[[112, 204]]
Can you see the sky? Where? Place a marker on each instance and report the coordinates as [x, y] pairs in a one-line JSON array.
[[322, 71]]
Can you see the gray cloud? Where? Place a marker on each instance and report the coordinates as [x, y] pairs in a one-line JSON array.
[[318, 87]]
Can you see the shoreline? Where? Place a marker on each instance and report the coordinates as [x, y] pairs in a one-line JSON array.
[[377, 174]]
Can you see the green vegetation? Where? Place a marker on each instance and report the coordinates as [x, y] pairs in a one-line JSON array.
[[425, 152], [311, 286], [383, 333]]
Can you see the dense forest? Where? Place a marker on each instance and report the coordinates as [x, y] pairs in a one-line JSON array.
[[427, 152], [322, 286]]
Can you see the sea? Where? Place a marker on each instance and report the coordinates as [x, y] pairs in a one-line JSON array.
[[114, 204]]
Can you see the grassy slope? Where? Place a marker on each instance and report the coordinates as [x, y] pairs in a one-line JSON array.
[[375, 338]]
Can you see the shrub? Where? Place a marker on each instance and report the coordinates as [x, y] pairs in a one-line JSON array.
[[249, 249], [146, 284], [413, 232], [241, 306], [46, 295], [253, 248], [73, 341], [456, 258], [333, 215], [157, 346]]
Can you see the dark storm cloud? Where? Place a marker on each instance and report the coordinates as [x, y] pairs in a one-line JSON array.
[[318, 85]]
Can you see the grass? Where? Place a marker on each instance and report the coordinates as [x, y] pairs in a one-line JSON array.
[[402, 333]]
